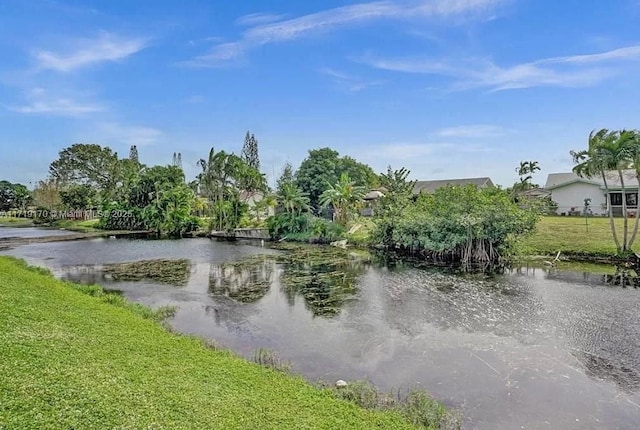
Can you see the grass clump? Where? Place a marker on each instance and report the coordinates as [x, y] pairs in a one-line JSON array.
[[418, 407], [71, 359], [268, 358]]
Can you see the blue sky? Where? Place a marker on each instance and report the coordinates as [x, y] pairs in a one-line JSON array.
[[446, 88]]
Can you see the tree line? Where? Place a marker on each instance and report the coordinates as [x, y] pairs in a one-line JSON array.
[[320, 201]]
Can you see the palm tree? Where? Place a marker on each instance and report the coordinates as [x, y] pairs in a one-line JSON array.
[[606, 152], [293, 199], [630, 141], [220, 173], [344, 196]]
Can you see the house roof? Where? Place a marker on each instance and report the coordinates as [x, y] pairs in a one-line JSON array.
[[556, 180], [535, 192], [431, 186], [373, 195]]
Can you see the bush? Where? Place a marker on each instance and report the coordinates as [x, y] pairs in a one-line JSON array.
[[464, 224], [304, 228], [114, 218]]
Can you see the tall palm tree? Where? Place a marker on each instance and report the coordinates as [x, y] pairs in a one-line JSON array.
[[630, 141], [344, 196], [606, 152]]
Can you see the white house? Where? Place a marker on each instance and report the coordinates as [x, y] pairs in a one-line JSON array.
[[569, 191]]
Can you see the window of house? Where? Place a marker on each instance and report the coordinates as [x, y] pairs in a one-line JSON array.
[[632, 199], [616, 199]]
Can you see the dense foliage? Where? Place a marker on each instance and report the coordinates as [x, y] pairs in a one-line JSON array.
[[13, 196], [304, 228], [323, 167], [227, 181], [345, 197], [463, 224]]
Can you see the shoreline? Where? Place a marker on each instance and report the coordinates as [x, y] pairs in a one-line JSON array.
[[216, 375]]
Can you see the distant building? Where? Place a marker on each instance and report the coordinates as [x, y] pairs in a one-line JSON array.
[[569, 191], [370, 200], [429, 187]]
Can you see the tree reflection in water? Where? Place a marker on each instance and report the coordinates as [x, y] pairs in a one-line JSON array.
[[246, 281], [324, 277]]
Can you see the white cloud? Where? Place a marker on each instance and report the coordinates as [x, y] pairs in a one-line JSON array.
[[570, 71], [323, 21], [106, 47], [258, 19], [627, 53], [479, 131], [41, 101], [130, 134], [348, 82], [402, 151]]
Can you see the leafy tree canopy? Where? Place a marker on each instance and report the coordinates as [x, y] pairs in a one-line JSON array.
[[78, 197], [86, 164], [323, 167], [13, 196]]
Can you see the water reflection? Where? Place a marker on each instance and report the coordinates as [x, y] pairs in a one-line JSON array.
[[326, 282], [324, 278], [246, 281]]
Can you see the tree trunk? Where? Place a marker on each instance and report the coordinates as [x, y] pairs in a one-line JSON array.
[[635, 222], [625, 218], [610, 212]]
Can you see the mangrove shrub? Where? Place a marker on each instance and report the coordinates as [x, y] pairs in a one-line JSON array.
[[462, 224]]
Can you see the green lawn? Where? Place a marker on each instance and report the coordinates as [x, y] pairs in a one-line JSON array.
[[71, 360], [569, 235], [81, 226], [15, 222], [72, 225]]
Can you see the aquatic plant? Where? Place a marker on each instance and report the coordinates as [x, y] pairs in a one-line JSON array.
[[166, 271]]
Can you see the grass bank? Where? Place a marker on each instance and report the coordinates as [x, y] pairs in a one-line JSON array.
[[72, 360], [81, 226], [15, 222], [573, 238]]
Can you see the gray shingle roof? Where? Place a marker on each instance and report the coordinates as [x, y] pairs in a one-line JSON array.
[[555, 180], [431, 186]]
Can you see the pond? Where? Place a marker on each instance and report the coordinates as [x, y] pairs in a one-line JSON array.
[[529, 349]]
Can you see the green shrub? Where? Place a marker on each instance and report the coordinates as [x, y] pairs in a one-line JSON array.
[[304, 228], [464, 224]]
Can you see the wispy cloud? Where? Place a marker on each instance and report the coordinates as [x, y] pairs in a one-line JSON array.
[[40, 101], [348, 82], [411, 151], [331, 19], [130, 134], [569, 71], [479, 131], [85, 52], [259, 19]]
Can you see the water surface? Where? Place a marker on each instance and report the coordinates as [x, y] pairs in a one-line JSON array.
[[30, 232], [529, 349]]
